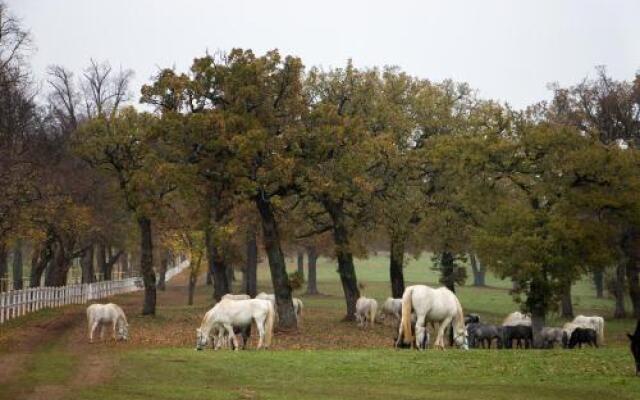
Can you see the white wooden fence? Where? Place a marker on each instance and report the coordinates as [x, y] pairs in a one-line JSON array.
[[17, 303]]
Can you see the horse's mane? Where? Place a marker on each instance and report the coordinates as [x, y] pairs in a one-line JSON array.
[[459, 320]]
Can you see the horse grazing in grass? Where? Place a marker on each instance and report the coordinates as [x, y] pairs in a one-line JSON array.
[[366, 311], [483, 334], [551, 336], [519, 333], [594, 322], [439, 306], [231, 296], [222, 318], [392, 308], [635, 347], [99, 315], [583, 335]]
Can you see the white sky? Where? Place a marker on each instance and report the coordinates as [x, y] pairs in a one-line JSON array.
[[508, 50]]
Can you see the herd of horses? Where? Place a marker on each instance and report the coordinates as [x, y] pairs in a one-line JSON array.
[[419, 307]]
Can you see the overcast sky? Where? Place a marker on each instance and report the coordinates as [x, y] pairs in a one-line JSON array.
[[508, 50]]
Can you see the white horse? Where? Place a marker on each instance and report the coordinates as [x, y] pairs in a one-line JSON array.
[[551, 335], [392, 308], [435, 306], [297, 303], [229, 313], [595, 322], [517, 318], [366, 310], [231, 296], [99, 315]]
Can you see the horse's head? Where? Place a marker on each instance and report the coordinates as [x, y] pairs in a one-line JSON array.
[[461, 339], [202, 340], [123, 331]]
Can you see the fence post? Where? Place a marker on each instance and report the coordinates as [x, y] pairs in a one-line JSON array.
[[2, 298]]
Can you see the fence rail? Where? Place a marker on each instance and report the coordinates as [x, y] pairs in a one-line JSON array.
[[17, 303]]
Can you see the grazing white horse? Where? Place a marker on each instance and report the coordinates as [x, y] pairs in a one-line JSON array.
[[439, 306], [297, 303], [392, 308], [366, 310], [595, 322], [99, 315], [231, 296], [517, 318], [226, 314]]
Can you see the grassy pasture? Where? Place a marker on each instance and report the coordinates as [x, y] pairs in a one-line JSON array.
[[328, 359]]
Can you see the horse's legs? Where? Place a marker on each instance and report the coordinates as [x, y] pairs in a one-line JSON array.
[[261, 333], [420, 331], [232, 335], [102, 332], [115, 325], [92, 330], [441, 329]]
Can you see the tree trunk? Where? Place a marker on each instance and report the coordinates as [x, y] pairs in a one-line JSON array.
[[396, 264], [4, 268], [279, 278], [146, 266], [566, 303], [598, 281], [101, 260], [633, 281], [301, 263], [58, 268], [231, 277], [17, 265], [39, 262], [217, 268], [537, 304], [448, 273], [251, 269], [86, 264], [346, 269], [619, 284], [312, 260], [162, 273], [479, 271], [193, 278]]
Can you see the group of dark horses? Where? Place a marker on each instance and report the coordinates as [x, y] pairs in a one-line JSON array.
[[483, 335]]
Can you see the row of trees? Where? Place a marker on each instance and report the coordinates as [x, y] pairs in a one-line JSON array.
[[245, 149]]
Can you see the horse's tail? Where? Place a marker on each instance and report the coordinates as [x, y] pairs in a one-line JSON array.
[[459, 319], [373, 310], [268, 325], [405, 321]]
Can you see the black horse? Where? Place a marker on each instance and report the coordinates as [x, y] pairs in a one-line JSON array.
[[483, 335], [635, 347], [519, 333], [471, 319], [580, 336]]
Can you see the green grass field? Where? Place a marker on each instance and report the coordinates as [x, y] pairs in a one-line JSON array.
[[328, 359]]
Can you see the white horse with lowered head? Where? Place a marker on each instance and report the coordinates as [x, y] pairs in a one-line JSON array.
[[439, 306], [100, 315], [229, 313], [366, 311], [392, 308]]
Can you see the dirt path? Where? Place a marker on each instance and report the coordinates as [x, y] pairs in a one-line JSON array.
[[63, 332]]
